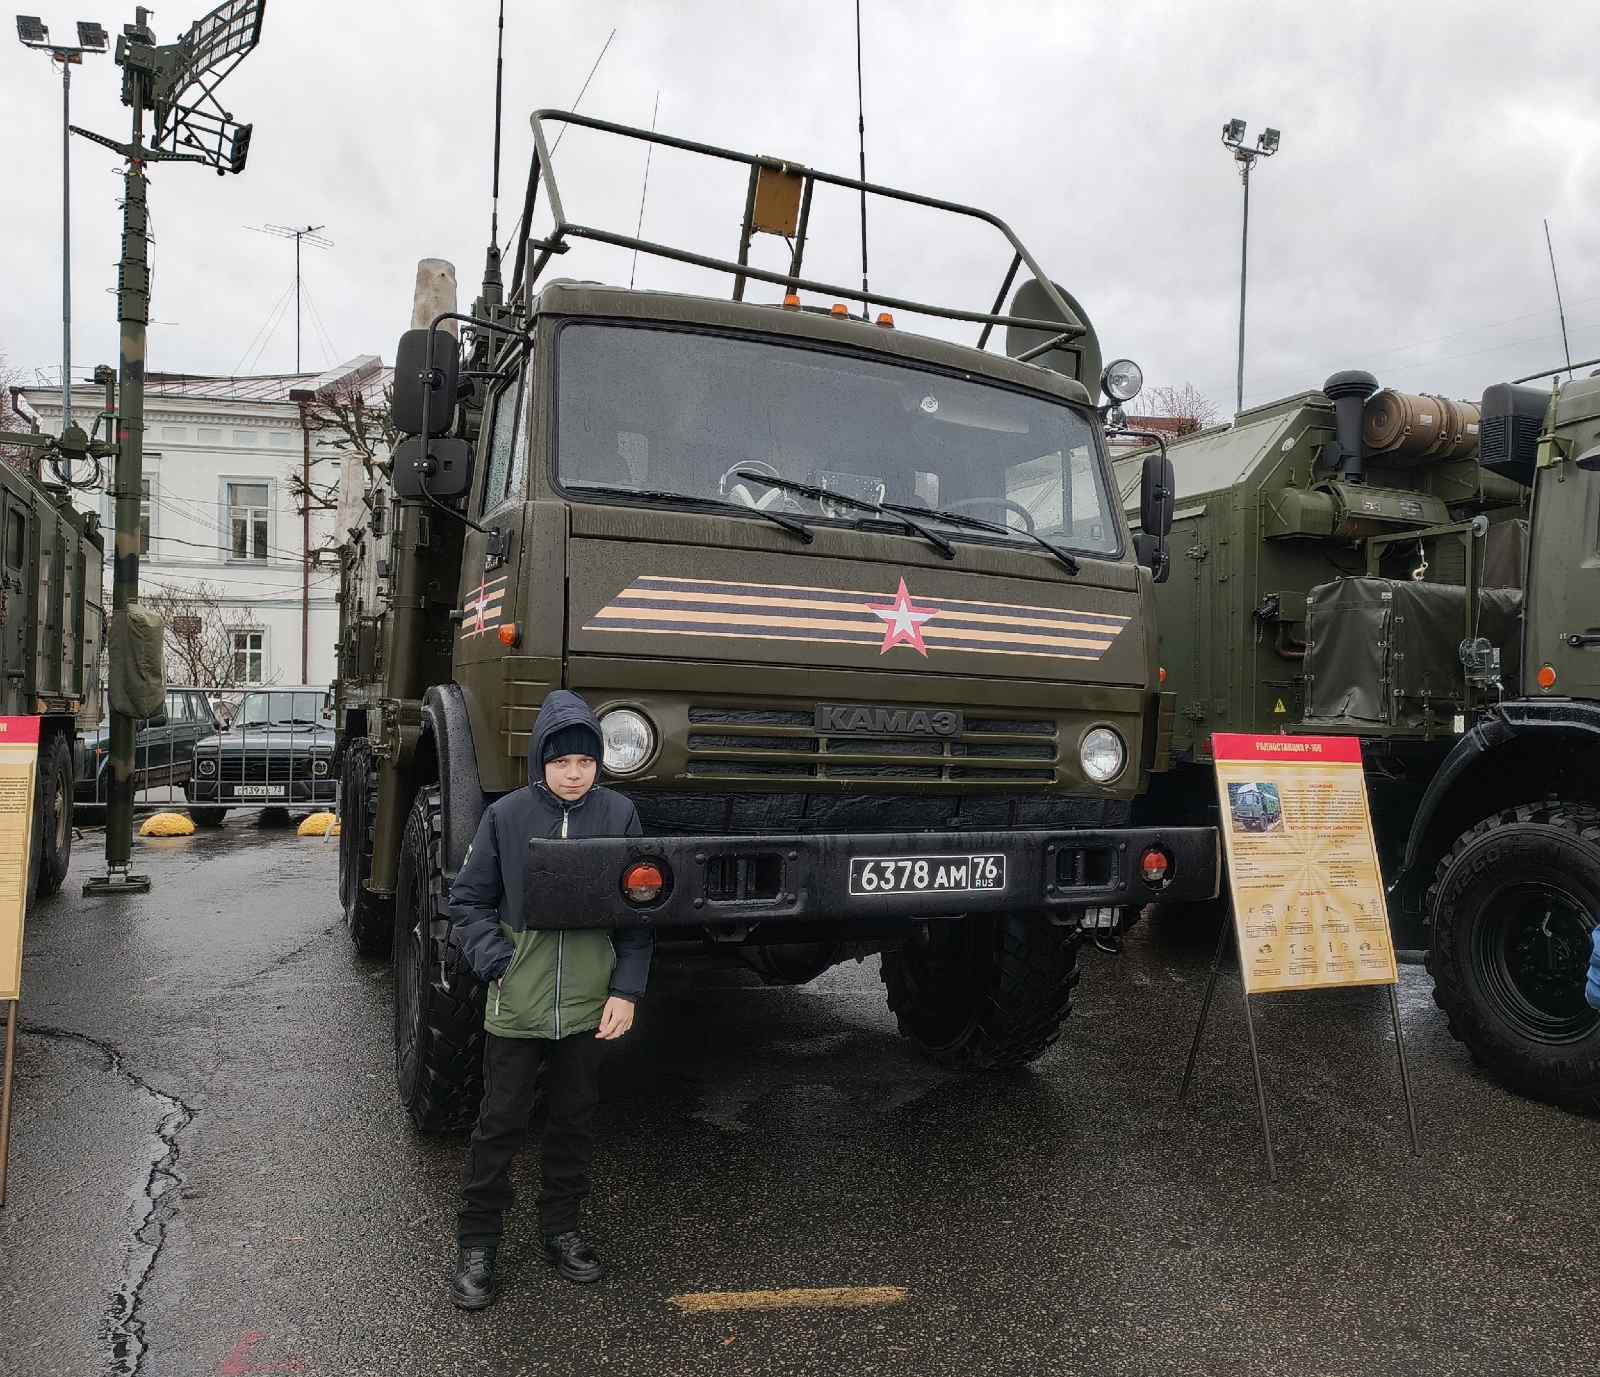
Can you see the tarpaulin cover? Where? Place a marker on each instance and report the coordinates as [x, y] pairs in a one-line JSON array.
[[138, 662], [1387, 651]]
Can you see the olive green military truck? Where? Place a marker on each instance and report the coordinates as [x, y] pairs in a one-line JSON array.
[[870, 642], [1424, 574], [52, 631]]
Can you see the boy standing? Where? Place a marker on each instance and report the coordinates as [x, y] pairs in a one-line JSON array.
[[554, 999]]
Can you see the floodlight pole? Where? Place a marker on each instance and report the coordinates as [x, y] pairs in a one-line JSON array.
[[1246, 162], [66, 246]]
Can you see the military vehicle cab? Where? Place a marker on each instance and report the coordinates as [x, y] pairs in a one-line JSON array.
[[870, 642], [1424, 574]]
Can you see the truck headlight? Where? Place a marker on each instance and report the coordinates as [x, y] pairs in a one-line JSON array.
[[627, 740], [1102, 754], [206, 765], [1122, 380]]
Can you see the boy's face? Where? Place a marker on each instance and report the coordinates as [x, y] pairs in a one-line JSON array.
[[570, 777]]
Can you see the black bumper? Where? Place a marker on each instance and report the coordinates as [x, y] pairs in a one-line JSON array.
[[323, 789], [798, 879]]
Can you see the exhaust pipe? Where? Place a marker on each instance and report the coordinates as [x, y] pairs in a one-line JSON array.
[[1348, 391]]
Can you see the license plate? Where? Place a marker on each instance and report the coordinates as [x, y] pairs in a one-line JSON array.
[[926, 874], [259, 791]]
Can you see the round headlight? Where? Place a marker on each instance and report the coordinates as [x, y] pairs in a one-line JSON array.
[[1102, 755], [319, 766], [206, 765], [627, 740], [1122, 380]]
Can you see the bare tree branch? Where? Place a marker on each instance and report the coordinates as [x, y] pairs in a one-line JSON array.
[[1186, 404]]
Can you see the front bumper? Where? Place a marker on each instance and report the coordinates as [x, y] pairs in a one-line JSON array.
[[798, 879], [285, 793]]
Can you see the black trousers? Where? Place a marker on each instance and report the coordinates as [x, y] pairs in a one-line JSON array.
[[571, 1090]]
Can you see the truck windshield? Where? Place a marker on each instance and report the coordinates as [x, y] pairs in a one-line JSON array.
[[641, 409]]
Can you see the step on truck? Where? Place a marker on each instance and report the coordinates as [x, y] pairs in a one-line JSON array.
[[1423, 573], [870, 642]]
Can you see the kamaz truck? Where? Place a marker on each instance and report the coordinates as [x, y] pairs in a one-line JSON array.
[[1424, 574], [871, 644]]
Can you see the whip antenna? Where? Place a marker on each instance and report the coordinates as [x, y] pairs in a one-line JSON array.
[[1560, 309], [644, 190], [861, 139], [499, 74]]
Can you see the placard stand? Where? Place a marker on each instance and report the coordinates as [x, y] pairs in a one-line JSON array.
[[1228, 930]]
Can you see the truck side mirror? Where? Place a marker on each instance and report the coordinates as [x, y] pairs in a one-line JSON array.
[[438, 467], [419, 388], [1589, 460], [1157, 489]]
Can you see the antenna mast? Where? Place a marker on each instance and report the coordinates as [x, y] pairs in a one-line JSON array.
[[861, 138], [309, 234], [1560, 309], [644, 190]]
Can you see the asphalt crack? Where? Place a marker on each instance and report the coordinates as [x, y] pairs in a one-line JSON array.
[[152, 1208]]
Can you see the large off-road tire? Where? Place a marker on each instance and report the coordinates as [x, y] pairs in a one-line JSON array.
[[983, 992], [52, 817], [1513, 906], [367, 918], [438, 1014]]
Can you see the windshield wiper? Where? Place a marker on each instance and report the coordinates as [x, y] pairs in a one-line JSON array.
[[895, 515], [977, 523], [682, 498]]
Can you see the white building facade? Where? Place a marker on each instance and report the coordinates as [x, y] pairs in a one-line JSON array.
[[222, 463]]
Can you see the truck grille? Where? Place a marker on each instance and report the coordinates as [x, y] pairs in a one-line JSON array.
[[262, 769], [767, 743]]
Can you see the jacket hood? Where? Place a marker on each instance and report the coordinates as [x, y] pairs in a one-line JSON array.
[[562, 708]]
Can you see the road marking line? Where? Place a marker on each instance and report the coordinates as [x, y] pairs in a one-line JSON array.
[[791, 1298]]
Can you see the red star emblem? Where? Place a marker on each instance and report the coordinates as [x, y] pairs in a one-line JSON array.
[[903, 622]]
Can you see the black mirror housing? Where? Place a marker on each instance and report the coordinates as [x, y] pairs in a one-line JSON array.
[[440, 467], [417, 390], [1152, 553], [1157, 496]]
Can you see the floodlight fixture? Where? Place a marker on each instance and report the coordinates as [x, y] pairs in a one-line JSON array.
[[92, 38], [1233, 133], [1267, 144], [32, 31]]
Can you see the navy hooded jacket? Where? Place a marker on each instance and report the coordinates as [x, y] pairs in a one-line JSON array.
[[487, 898]]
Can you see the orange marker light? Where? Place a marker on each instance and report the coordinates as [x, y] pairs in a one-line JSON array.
[[886, 320], [791, 301], [1161, 674], [510, 633], [1154, 866], [642, 883], [1546, 677], [839, 309]]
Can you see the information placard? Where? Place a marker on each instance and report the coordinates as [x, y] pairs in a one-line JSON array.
[[19, 759], [1308, 901]]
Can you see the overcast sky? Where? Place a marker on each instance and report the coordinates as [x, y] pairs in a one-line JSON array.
[[1399, 229]]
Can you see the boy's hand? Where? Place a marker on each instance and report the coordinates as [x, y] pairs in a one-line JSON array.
[[616, 1018]]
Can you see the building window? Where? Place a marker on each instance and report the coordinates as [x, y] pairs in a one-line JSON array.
[[248, 506], [249, 656]]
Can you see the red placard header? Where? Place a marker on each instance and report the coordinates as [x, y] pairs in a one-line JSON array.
[[19, 731], [1287, 750]]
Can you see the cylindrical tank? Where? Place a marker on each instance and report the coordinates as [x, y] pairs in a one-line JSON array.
[[1405, 427]]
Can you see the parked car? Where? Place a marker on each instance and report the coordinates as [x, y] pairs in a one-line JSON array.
[[278, 752], [163, 747]]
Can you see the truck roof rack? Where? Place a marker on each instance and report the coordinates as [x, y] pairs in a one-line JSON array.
[[778, 202]]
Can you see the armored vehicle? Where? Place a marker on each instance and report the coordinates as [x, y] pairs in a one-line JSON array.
[[52, 621], [1424, 574], [872, 647]]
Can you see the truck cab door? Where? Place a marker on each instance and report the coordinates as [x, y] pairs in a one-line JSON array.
[[491, 558], [1562, 607], [17, 519]]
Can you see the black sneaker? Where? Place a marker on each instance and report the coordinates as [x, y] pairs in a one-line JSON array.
[[571, 1255], [473, 1285]]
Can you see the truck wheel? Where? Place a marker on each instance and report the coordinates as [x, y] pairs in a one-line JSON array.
[[983, 993], [52, 839], [367, 918], [438, 1015], [1513, 906]]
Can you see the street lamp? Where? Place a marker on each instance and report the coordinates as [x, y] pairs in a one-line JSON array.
[[91, 39], [1233, 136]]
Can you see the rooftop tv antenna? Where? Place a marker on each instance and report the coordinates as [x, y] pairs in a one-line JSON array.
[[177, 83], [309, 234]]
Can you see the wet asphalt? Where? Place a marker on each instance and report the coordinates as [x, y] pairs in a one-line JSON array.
[[210, 1174]]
